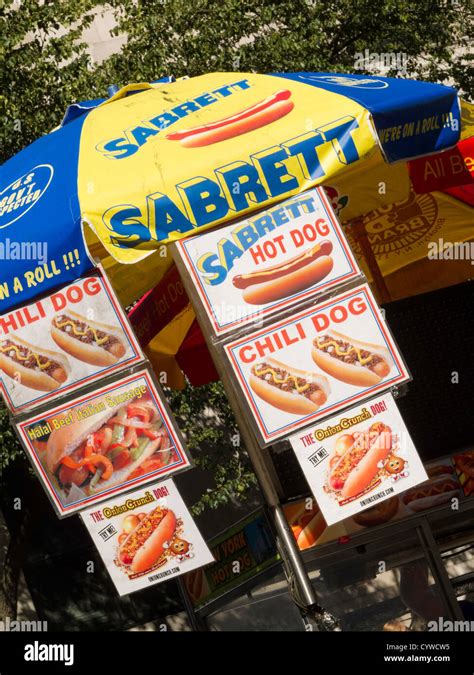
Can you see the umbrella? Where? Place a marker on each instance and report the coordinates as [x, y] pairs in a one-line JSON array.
[[122, 177]]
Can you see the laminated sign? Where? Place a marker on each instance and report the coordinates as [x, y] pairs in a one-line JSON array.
[[64, 341], [359, 459], [146, 537], [315, 362], [103, 443], [245, 271]]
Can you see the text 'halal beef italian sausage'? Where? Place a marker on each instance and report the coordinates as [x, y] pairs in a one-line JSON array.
[[290, 277]]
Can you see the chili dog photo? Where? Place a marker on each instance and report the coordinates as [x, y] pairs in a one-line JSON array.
[[111, 440], [146, 537], [260, 114], [360, 458], [31, 366], [257, 266], [301, 369], [288, 389], [350, 360], [55, 345], [90, 341]]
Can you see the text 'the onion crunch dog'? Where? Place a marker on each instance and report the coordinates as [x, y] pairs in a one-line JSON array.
[[290, 277], [258, 115], [31, 366], [289, 389], [95, 343], [351, 361]]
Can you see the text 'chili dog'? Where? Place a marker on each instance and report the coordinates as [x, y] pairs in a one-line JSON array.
[[358, 466], [289, 389], [293, 276], [31, 366], [258, 115], [86, 340], [351, 361]]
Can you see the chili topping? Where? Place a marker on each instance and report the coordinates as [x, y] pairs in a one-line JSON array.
[[26, 357], [344, 351], [280, 378], [138, 536], [83, 332]]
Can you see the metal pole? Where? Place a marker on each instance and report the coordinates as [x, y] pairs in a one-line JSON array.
[[286, 543]]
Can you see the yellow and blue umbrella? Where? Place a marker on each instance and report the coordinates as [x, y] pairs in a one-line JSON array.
[[122, 177]]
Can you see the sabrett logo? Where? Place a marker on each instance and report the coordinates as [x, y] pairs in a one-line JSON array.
[[134, 137], [238, 186]]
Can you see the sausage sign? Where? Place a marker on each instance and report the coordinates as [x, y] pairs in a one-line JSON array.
[[315, 362], [359, 459], [62, 342], [245, 271], [103, 443], [146, 537]]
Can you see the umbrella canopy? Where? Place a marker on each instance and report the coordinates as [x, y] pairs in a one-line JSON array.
[[160, 161]]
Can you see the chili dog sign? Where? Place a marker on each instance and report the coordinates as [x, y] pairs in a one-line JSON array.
[[315, 362], [103, 443], [146, 537], [358, 459], [62, 342], [265, 263]]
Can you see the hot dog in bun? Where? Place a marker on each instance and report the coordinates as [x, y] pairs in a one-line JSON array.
[[289, 389], [33, 367], [108, 448], [351, 361], [145, 544], [357, 467], [434, 492], [90, 341], [288, 278], [258, 115]]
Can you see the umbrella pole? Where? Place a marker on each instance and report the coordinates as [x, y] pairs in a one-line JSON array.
[[293, 563]]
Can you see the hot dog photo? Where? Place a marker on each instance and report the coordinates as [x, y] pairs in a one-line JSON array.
[[314, 363], [360, 458], [146, 537], [103, 443], [63, 341], [248, 270]]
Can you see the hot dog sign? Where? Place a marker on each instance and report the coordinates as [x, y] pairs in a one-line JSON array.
[[63, 341], [358, 459], [146, 537], [315, 362], [265, 263]]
